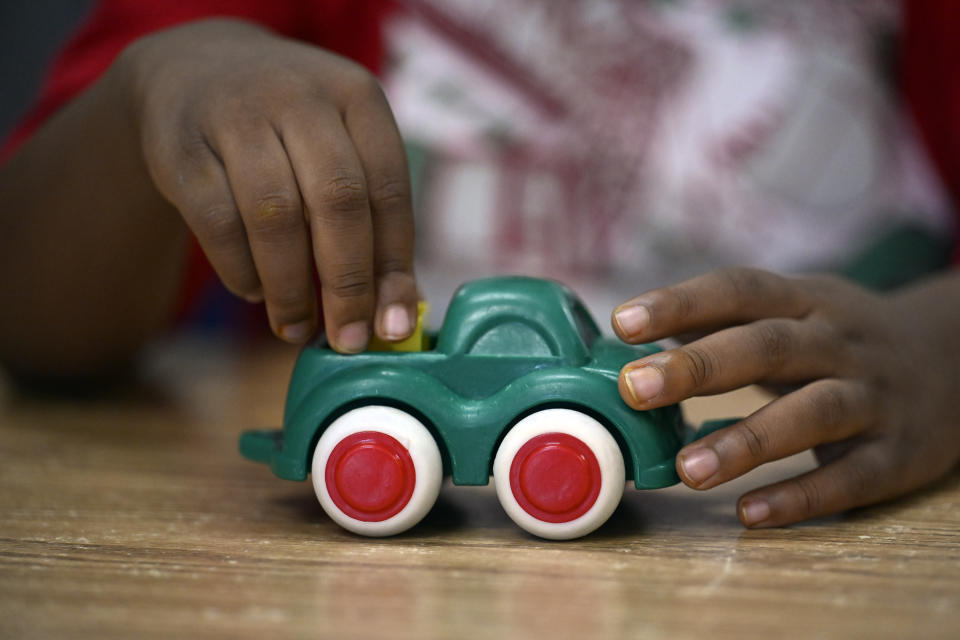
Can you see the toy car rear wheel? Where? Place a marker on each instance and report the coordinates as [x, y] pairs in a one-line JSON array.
[[559, 474], [377, 470]]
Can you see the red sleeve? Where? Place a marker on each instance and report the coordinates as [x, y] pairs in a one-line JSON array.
[[351, 28], [931, 83]]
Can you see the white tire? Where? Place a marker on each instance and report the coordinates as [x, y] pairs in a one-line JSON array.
[[377, 471], [559, 474]]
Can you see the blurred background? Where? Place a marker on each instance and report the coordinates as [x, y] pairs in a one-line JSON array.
[[619, 145], [31, 31]]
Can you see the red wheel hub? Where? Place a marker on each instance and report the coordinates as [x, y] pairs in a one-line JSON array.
[[370, 476], [555, 477]]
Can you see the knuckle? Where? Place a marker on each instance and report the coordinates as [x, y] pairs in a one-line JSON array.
[[700, 365], [193, 146], [275, 217], [754, 439], [684, 302], [831, 405], [390, 194], [220, 226], [742, 279], [351, 283], [747, 283], [830, 340], [775, 343], [811, 498], [860, 482], [275, 212], [238, 115], [365, 85], [276, 202], [344, 192], [387, 266]]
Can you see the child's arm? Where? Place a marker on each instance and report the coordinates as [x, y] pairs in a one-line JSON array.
[[280, 157], [876, 379]]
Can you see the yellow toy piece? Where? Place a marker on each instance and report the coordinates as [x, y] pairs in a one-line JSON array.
[[413, 343]]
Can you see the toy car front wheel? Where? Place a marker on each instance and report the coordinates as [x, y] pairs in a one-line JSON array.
[[377, 471], [559, 474]]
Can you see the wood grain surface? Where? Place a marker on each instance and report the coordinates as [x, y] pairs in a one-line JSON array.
[[132, 515]]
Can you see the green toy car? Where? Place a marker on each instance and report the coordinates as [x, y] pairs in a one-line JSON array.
[[518, 383]]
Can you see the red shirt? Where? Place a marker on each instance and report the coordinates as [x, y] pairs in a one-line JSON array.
[[931, 84]]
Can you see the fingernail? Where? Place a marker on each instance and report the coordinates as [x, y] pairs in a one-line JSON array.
[[754, 511], [295, 333], [633, 319], [700, 464], [254, 298], [396, 322], [645, 383], [353, 337]]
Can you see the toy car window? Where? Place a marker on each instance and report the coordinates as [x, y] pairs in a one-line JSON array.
[[512, 339], [585, 325]]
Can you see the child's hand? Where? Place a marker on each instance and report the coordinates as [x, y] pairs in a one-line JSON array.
[[877, 381], [282, 158]]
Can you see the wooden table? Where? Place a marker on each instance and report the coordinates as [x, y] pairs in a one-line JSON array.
[[132, 515]]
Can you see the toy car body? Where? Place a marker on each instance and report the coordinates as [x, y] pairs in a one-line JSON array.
[[518, 383]]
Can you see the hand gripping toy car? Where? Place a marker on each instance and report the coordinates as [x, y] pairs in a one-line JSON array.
[[518, 383]]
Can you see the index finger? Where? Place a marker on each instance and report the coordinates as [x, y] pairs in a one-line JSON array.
[[717, 299]]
